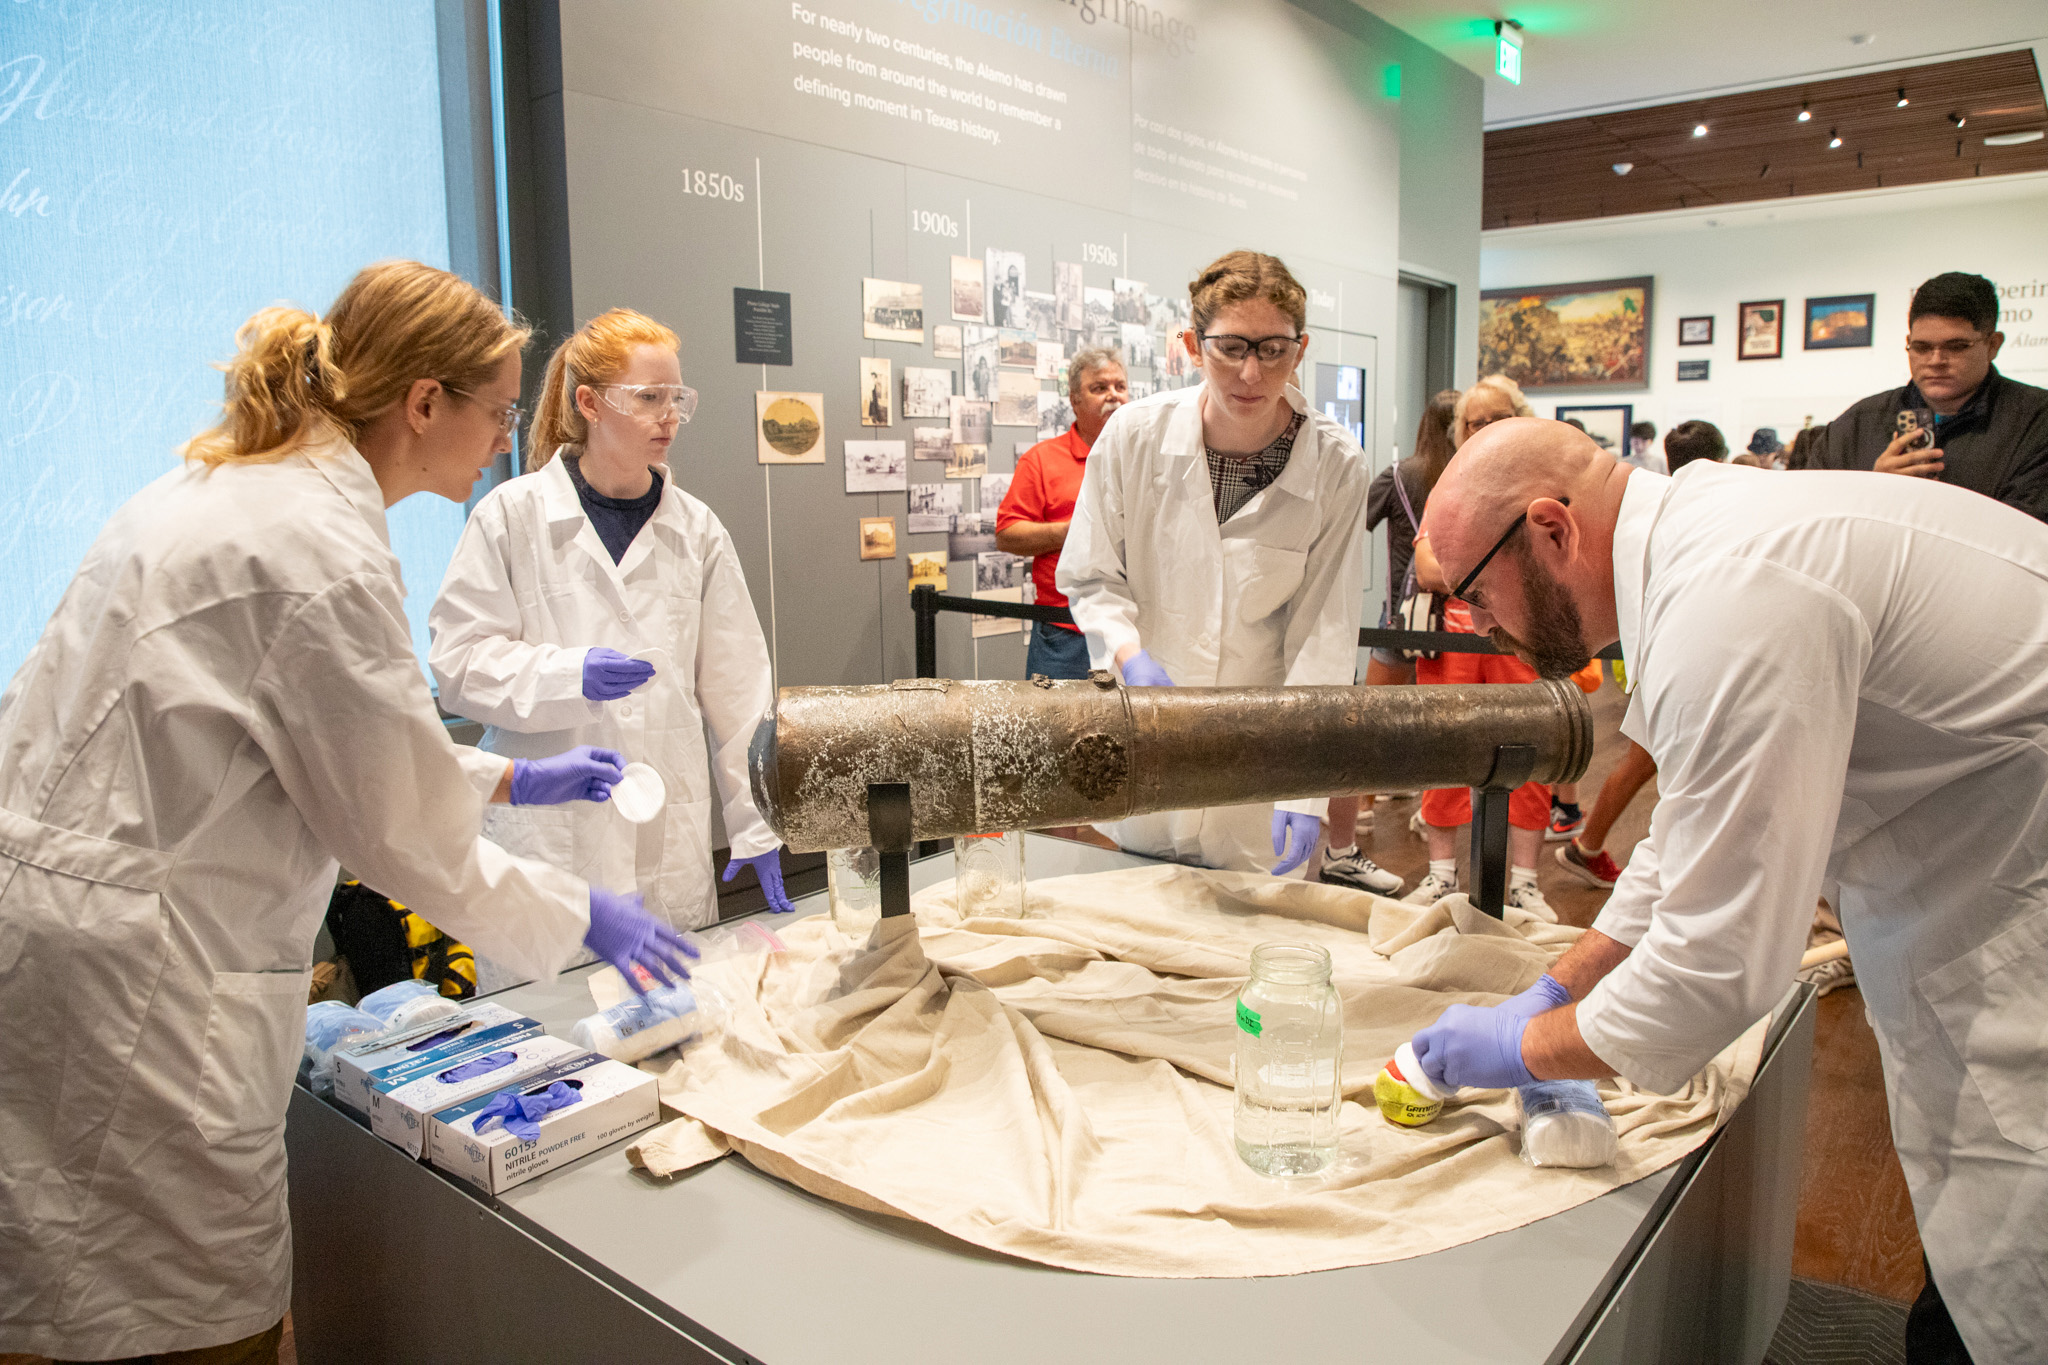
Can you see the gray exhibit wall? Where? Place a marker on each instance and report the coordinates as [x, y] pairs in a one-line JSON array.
[[802, 148]]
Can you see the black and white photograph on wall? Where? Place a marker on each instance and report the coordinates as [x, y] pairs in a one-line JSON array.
[[1055, 414], [789, 428], [1067, 296], [1692, 369], [1606, 423], [877, 395], [927, 393], [877, 467], [1019, 449], [1141, 388], [1129, 305], [1016, 399], [970, 460], [928, 570], [1006, 288], [932, 443], [1134, 340], [892, 311], [973, 533], [1017, 347], [1045, 324], [996, 487], [968, 293], [1098, 309], [878, 537], [1695, 331], [978, 369], [932, 507], [1172, 360], [972, 420], [998, 570], [945, 342], [1052, 358]]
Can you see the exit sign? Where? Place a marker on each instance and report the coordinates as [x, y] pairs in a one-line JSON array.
[[1509, 61]]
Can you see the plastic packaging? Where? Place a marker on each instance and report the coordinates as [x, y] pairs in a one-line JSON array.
[[670, 1016], [989, 875], [1290, 1043], [1564, 1124], [329, 1024], [853, 881], [1404, 1091], [403, 1004]]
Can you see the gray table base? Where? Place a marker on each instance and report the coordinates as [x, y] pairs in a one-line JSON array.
[[598, 1262]]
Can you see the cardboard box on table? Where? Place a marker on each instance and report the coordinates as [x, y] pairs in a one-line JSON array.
[[402, 1102], [358, 1063], [617, 1100]]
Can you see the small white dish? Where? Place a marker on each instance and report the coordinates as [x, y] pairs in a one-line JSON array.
[[640, 794]]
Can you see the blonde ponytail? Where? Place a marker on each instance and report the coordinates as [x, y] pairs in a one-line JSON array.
[[597, 353], [297, 380]]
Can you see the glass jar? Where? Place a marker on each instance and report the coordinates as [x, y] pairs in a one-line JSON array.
[[1290, 1048], [853, 882], [988, 874]]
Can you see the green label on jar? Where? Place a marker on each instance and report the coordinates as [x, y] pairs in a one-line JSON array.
[[1247, 1019]]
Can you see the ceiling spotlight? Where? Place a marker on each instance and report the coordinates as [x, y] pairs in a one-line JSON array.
[[1805, 114], [1699, 130], [1624, 167], [1903, 101], [1834, 138], [2013, 139]]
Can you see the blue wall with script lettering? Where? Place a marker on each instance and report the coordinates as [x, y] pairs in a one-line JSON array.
[[165, 170]]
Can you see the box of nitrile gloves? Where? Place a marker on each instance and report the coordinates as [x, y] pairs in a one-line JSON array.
[[357, 1064], [401, 1104], [612, 1100]]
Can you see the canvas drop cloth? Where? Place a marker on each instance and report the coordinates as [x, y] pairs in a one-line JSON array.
[[1059, 1087]]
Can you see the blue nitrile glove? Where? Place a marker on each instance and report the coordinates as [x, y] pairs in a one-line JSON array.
[[481, 1066], [582, 774], [609, 675], [1142, 670], [522, 1114], [1302, 831], [768, 871], [625, 935], [1546, 995], [1474, 1046]]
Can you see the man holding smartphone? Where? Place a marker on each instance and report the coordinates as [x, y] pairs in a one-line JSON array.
[[1959, 420]]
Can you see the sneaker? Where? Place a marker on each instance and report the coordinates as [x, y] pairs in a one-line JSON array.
[[1526, 896], [1417, 826], [1594, 869], [1359, 872], [1430, 890], [1562, 826]]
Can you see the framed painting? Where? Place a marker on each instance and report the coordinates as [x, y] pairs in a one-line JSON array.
[[1760, 333], [1606, 423], [1695, 331], [1594, 335], [1839, 323]]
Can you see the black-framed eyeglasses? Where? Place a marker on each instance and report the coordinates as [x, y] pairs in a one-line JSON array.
[[1271, 351], [1498, 546]]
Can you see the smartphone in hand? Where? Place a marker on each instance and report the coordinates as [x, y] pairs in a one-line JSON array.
[[1920, 420]]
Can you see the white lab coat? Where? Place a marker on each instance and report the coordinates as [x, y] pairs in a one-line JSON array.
[[530, 590], [224, 703], [1271, 597], [1846, 675]]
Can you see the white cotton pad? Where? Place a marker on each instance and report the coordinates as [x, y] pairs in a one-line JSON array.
[[640, 794], [1573, 1141]]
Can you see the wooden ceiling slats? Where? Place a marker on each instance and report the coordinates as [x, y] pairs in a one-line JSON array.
[[1756, 149]]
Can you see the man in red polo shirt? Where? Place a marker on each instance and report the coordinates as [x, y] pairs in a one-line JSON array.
[[1034, 515]]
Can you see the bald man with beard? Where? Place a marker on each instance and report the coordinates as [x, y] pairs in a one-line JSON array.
[[1841, 677]]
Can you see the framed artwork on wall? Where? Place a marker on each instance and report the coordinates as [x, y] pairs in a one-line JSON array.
[[1594, 335], [1606, 423], [1761, 331], [1692, 369], [1696, 331], [1839, 323], [878, 537]]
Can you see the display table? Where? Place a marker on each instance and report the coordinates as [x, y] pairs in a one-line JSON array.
[[600, 1262]]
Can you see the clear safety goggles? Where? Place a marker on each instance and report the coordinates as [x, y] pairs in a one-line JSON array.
[[652, 402]]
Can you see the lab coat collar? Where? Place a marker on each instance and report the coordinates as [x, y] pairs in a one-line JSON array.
[[1642, 499], [345, 468]]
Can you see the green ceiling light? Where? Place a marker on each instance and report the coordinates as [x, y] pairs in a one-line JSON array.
[[1508, 56], [1390, 80]]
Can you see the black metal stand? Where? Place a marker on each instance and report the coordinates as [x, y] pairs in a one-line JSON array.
[[1512, 764], [889, 827]]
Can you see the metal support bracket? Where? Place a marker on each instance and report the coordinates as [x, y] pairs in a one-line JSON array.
[[889, 829], [1512, 765]]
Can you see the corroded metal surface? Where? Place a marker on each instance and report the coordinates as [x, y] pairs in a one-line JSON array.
[[987, 756]]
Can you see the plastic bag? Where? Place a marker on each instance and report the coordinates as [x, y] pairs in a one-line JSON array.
[[329, 1024], [1564, 1125], [402, 1004]]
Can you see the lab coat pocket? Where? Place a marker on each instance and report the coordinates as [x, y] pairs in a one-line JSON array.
[[1274, 576], [1990, 1003], [254, 1033]]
